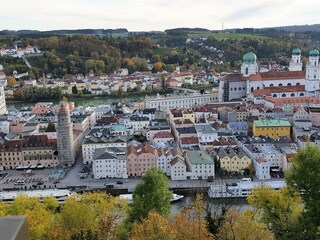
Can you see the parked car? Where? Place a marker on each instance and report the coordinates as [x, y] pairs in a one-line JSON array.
[[20, 182], [40, 183], [56, 181], [120, 182], [109, 185]]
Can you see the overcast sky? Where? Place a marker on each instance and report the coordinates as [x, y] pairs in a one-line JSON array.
[[146, 15]]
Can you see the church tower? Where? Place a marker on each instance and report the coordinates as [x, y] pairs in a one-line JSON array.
[[249, 65], [3, 106], [313, 73], [295, 63], [65, 136]]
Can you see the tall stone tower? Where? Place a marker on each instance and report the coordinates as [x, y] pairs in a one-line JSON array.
[[3, 106], [65, 136], [295, 63], [313, 73]]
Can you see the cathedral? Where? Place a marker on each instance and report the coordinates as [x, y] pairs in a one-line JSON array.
[[294, 83]]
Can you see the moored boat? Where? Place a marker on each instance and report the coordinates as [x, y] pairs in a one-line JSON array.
[[241, 189], [60, 194], [129, 197]]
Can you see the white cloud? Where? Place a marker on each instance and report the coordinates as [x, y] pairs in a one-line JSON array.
[[155, 15]]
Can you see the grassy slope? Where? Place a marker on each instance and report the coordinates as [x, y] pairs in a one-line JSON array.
[[224, 35]]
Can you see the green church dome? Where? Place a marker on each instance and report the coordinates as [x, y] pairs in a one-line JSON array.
[[250, 57], [296, 51], [314, 53]]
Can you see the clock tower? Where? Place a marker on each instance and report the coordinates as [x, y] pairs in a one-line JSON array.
[[65, 136]]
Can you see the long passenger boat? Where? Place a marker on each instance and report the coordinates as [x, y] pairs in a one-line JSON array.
[[241, 189], [60, 194], [129, 197]]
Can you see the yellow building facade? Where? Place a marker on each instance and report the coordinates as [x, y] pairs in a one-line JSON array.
[[271, 128], [233, 160], [182, 113]]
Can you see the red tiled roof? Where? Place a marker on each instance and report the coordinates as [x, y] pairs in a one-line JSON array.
[[137, 150], [207, 108], [282, 101], [182, 121], [233, 76], [107, 120], [267, 91], [189, 140], [176, 160], [278, 75], [261, 160], [163, 135]]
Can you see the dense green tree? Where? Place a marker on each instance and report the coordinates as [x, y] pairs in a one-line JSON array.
[[280, 211], [152, 193], [35, 93], [51, 127], [74, 89], [304, 177], [98, 66]]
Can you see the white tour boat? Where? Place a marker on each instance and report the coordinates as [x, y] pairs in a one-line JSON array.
[[241, 189], [129, 197], [60, 194]]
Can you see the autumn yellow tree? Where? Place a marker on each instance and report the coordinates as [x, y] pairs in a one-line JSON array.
[[109, 212], [190, 222], [11, 81], [238, 226], [93, 216], [40, 222], [64, 99], [154, 227], [40, 217], [158, 66], [88, 216]]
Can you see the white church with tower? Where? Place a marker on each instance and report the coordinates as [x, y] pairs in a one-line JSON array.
[[287, 84]]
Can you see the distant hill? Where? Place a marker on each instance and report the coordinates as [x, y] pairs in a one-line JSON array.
[[63, 32], [187, 30], [300, 28], [293, 28]]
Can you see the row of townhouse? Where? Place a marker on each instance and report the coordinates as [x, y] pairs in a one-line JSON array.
[[270, 159], [233, 159], [117, 162]]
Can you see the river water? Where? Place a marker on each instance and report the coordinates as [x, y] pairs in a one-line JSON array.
[[83, 101], [214, 205]]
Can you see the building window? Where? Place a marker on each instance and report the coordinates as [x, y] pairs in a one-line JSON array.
[[280, 85]]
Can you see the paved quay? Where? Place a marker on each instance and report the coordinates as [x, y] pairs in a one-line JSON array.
[[72, 178]]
